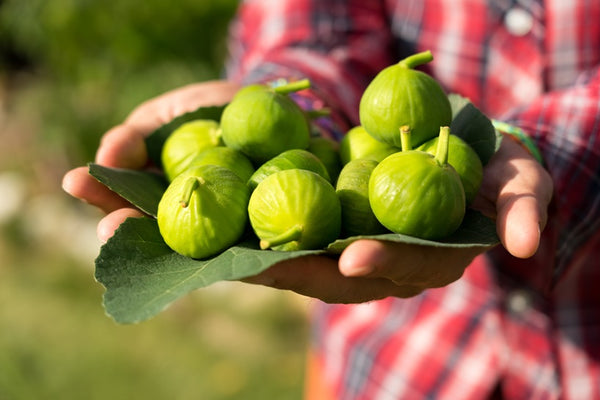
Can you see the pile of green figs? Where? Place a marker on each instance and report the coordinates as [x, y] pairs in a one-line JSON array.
[[263, 169]]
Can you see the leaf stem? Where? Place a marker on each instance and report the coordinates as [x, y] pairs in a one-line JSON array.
[[190, 184], [441, 153], [405, 138], [417, 59], [294, 233], [292, 86]]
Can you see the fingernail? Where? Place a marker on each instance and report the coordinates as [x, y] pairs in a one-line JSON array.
[[350, 269]]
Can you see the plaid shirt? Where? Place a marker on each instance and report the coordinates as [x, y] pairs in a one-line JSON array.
[[525, 329]]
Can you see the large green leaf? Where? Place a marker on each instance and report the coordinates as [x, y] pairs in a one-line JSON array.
[[142, 275]]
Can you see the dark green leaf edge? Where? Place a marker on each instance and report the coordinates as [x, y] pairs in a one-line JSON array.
[[476, 230], [143, 189], [473, 126]]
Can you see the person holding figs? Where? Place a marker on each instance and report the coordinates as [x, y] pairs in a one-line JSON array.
[[401, 321]]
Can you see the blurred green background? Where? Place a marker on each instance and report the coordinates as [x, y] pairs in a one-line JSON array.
[[69, 70]]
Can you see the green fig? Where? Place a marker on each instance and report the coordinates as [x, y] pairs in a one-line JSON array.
[[418, 194], [203, 211], [250, 88], [357, 143], [400, 95], [465, 161], [263, 123], [187, 141], [352, 189], [295, 209], [225, 157], [289, 159]]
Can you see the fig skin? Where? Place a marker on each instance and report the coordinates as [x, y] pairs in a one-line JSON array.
[[327, 150], [293, 210], [400, 95], [352, 189], [358, 143], [250, 88], [187, 141], [418, 194], [203, 211], [464, 160], [289, 159], [264, 123], [225, 157]]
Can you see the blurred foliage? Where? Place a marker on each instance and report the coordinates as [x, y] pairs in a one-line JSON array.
[[70, 70], [229, 342], [92, 61]]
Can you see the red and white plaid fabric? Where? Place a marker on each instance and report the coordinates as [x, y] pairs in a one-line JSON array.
[[525, 329]]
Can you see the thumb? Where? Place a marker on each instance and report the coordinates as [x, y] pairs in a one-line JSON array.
[[522, 203], [519, 225]]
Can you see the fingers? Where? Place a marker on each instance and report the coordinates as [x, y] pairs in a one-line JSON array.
[[122, 147], [319, 277], [523, 191], [407, 265], [107, 225], [519, 224], [81, 185], [369, 270], [162, 109]]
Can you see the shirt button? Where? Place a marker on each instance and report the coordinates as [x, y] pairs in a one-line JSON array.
[[518, 21], [518, 301]]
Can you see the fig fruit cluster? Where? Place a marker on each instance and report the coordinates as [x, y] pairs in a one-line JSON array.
[[262, 168], [259, 166]]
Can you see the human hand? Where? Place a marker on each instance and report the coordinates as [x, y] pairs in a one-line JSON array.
[[123, 147], [516, 192]]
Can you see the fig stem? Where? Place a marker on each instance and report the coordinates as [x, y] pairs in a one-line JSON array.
[[292, 86], [405, 138], [190, 184], [294, 233], [417, 59], [441, 153]]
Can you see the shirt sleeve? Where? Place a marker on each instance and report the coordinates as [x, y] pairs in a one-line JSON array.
[[328, 41], [565, 125]]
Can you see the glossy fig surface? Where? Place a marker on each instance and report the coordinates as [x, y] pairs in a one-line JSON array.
[[203, 211], [187, 141], [401, 95], [295, 209], [352, 189], [263, 123], [464, 160], [418, 194]]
